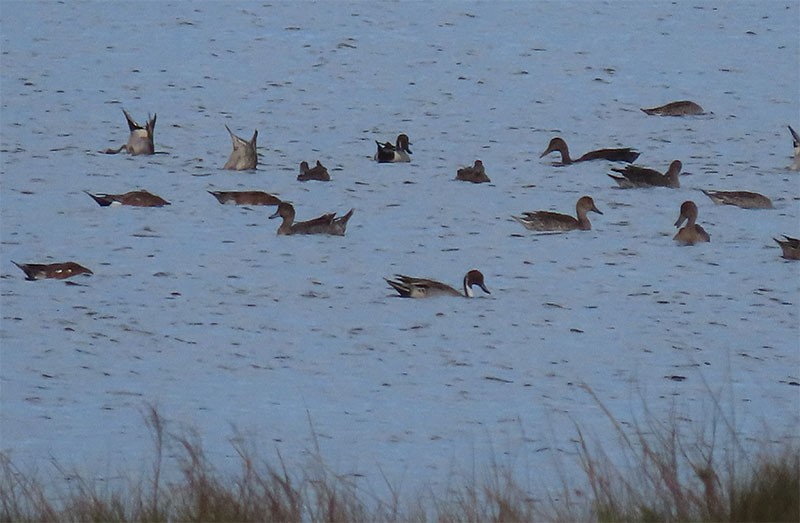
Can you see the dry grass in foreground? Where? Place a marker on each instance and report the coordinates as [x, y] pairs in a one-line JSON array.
[[668, 480]]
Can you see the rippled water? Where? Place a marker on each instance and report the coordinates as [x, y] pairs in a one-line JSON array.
[[297, 342]]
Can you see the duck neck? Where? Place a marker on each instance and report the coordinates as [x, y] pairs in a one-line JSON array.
[[467, 288]]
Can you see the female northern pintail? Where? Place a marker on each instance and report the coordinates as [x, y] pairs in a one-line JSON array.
[[796, 144], [388, 153], [58, 271], [140, 140], [635, 176], [409, 287], [245, 197], [790, 247], [132, 198], [691, 233], [557, 144], [474, 174], [552, 221], [318, 172], [244, 156], [680, 108], [743, 199], [325, 224]]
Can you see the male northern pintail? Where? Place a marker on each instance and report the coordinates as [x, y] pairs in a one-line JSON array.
[[796, 144], [556, 222], [388, 153], [133, 198], [58, 271], [680, 108], [409, 287], [325, 224], [691, 233], [140, 140], [557, 144], [635, 176], [245, 197], [474, 174], [790, 247], [743, 199], [244, 156], [318, 172]]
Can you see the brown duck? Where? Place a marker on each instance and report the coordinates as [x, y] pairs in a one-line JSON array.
[[474, 174], [319, 172], [636, 176], [132, 198], [58, 271], [557, 144], [409, 287], [325, 224]]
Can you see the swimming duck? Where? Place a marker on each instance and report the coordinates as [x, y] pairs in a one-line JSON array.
[[790, 247], [691, 233], [388, 153], [244, 156], [558, 144], [318, 172], [132, 198], [58, 271], [680, 108], [743, 199], [555, 222], [140, 140], [325, 224], [409, 287], [635, 176], [245, 197], [796, 143], [474, 174]]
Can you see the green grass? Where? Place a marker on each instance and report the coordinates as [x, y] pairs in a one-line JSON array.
[[667, 477]]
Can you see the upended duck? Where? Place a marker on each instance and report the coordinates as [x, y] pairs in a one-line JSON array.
[[691, 233], [743, 199], [245, 197], [319, 172], [140, 140], [325, 224], [244, 156], [796, 144], [133, 198], [557, 144], [57, 271], [546, 221], [410, 287], [399, 152], [790, 247], [679, 108], [474, 174], [636, 176]]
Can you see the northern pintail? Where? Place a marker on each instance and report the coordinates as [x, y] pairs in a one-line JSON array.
[[474, 174], [557, 144], [635, 176], [133, 198], [409, 287], [388, 153], [58, 271], [743, 199], [244, 156], [555, 222], [140, 140], [680, 108], [796, 144], [318, 172], [790, 247], [325, 224], [245, 197], [691, 233]]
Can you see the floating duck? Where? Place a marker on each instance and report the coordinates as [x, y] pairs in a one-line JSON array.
[[547, 221], [244, 156], [691, 233], [245, 197], [58, 271], [790, 247], [388, 153], [636, 176], [474, 174], [325, 224], [140, 140], [132, 198], [409, 287], [680, 108], [557, 144], [743, 199], [318, 172]]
